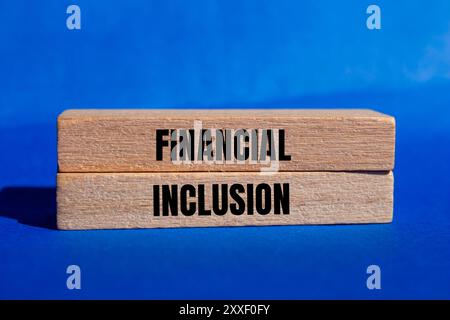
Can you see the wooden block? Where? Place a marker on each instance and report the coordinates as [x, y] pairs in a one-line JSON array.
[[127, 200], [312, 140]]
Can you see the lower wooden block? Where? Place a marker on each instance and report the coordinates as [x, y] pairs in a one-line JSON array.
[[160, 200]]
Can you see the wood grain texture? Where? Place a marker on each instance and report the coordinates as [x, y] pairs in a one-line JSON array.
[[317, 140], [125, 200]]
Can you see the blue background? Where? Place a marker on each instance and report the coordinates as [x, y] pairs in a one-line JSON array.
[[225, 54]]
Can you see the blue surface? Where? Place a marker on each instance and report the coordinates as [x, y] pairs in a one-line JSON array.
[[215, 54]]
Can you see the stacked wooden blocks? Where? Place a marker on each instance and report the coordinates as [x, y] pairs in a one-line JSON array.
[[185, 168]]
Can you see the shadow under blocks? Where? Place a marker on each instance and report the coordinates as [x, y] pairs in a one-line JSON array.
[[33, 206]]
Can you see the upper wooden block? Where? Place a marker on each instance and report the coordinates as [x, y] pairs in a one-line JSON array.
[[307, 140]]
